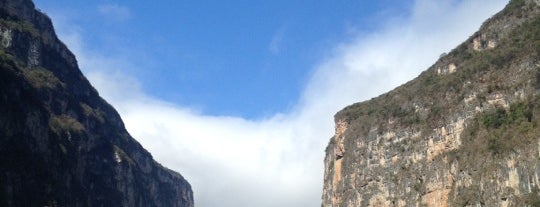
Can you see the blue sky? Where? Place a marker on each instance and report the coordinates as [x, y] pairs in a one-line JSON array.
[[243, 58], [239, 97]]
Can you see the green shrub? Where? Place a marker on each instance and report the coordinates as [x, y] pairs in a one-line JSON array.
[[515, 7], [42, 78], [532, 199], [494, 119], [7, 61], [63, 123], [90, 112], [21, 26], [518, 112]]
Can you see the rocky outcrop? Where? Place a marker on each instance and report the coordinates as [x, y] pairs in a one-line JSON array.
[[60, 143], [463, 133]]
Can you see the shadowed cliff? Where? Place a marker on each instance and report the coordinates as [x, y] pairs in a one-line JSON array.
[[61, 144]]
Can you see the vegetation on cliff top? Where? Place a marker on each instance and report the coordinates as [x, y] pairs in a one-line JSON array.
[[440, 94]]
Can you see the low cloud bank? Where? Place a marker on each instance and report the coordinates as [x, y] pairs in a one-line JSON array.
[[278, 161]]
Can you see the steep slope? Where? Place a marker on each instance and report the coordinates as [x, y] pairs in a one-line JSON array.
[[463, 133], [60, 143]]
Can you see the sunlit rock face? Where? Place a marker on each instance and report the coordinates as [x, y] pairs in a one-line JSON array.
[[60, 143], [463, 133]]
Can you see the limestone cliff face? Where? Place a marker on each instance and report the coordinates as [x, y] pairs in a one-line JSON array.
[[60, 143], [464, 133]]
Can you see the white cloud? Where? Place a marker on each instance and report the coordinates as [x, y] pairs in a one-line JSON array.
[[114, 12], [276, 42], [231, 161]]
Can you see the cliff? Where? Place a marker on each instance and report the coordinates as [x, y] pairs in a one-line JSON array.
[[60, 143], [465, 132]]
